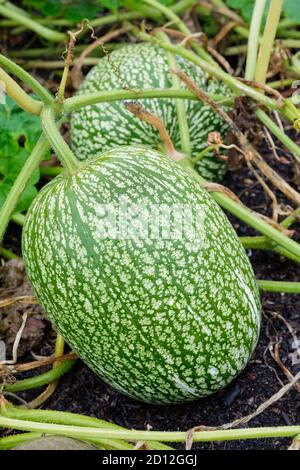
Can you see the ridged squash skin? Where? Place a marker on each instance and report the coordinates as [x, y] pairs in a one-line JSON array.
[[96, 128], [162, 319]]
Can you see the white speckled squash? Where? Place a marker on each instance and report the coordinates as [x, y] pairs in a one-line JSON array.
[[101, 126], [161, 319]]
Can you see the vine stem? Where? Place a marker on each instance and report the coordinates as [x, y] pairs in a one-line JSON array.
[[267, 42], [41, 379], [279, 286], [18, 94], [64, 418], [57, 142], [25, 77], [180, 106], [286, 107], [9, 442], [59, 351], [32, 162], [263, 243], [253, 40], [22, 18], [164, 436], [77, 102], [18, 219], [7, 254]]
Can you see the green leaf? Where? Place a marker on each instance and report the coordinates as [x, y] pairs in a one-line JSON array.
[[19, 133], [292, 9]]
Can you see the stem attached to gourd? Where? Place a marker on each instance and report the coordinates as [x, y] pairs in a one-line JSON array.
[[63, 151]]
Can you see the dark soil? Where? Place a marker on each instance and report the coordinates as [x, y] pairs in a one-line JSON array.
[[80, 391]]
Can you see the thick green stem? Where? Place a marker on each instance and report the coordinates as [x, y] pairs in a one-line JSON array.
[[263, 243], [20, 183], [288, 221], [280, 286], [22, 18], [7, 254], [9, 86], [25, 77], [18, 218], [165, 436], [268, 41], [253, 41], [41, 379], [65, 418], [9, 442], [202, 154], [76, 102], [50, 170], [57, 142]]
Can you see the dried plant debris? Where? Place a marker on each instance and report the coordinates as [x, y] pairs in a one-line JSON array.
[[14, 284]]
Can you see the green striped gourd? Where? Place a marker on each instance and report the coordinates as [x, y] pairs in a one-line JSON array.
[[163, 317], [96, 128]]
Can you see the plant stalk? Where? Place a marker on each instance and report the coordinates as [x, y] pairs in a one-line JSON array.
[[268, 41], [57, 142], [25, 77], [253, 41], [279, 286], [65, 418], [164, 436], [9, 86]]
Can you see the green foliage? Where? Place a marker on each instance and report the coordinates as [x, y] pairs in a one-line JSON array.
[[291, 8], [19, 133], [76, 10]]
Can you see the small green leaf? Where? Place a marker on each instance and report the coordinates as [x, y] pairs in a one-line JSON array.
[[19, 133]]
